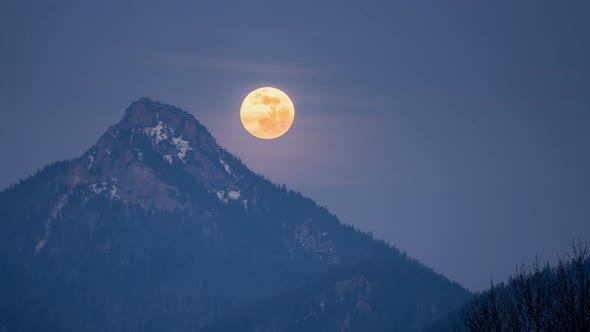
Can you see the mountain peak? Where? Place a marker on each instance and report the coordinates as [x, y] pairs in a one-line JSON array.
[[141, 112], [158, 155], [147, 112]]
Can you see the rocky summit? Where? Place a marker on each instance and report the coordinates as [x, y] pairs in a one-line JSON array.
[[131, 160]]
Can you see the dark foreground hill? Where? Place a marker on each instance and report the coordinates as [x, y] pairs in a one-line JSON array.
[[158, 228], [537, 297]]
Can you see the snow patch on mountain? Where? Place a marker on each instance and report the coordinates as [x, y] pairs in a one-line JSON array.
[[233, 194], [226, 196], [158, 133], [108, 189], [182, 147], [62, 201], [225, 165]]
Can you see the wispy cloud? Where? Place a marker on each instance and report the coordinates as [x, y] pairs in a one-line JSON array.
[[337, 101], [309, 86], [230, 64]]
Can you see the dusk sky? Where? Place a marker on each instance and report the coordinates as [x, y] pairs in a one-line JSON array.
[[458, 131]]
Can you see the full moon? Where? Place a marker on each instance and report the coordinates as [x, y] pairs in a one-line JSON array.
[[267, 113]]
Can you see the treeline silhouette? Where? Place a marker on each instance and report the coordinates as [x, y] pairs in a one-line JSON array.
[[538, 297]]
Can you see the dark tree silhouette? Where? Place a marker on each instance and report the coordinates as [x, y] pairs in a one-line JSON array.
[[537, 298]]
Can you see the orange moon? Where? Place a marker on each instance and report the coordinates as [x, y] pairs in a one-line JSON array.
[[267, 113]]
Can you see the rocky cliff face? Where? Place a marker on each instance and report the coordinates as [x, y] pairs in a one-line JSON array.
[[160, 157], [129, 162]]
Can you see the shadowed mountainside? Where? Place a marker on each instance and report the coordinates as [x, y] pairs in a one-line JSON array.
[[158, 228]]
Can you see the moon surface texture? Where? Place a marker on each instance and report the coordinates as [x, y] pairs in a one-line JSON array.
[[267, 113]]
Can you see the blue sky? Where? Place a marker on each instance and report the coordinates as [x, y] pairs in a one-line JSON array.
[[459, 131]]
